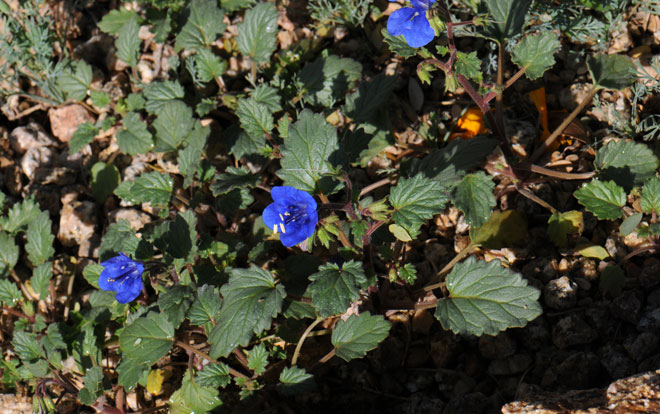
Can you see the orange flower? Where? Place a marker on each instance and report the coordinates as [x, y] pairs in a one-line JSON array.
[[469, 125]]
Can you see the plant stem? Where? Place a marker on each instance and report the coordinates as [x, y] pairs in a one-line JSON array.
[[199, 353], [557, 174], [555, 134], [328, 356], [536, 199], [302, 339], [18, 314], [342, 237], [371, 187], [467, 250]]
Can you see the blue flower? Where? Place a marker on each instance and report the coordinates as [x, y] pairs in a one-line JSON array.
[[412, 23], [293, 213], [122, 275]]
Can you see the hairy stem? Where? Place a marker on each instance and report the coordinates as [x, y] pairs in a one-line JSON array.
[[302, 339], [201, 354]]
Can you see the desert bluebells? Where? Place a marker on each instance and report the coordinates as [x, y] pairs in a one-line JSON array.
[[122, 275], [292, 213], [412, 23]]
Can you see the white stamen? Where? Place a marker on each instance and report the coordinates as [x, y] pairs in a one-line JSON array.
[[282, 228], [275, 229], [281, 217]]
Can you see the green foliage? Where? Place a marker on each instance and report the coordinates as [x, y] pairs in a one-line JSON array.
[[76, 80], [611, 71], [147, 339], [19, 215], [363, 104], [506, 18], [398, 45], [134, 138], [474, 197], [10, 295], [203, 26], [651, 196], [8, 253], [334, 287], [351, 13], [173, 124], [205, 310], [294, 381], [40, 239], [214, 375], [41, 279], [257, 33], [416, 200], [194, 398], [327, 79], [627, 163], [105, 178], [154, 187], [158, 94], [486, 298], [605, 199], [84, 135], [561, 225], [258, 359], [128, 42], [536, 54], [630, 224], [358, 335]]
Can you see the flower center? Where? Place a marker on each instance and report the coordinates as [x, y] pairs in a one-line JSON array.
[[295, 213]]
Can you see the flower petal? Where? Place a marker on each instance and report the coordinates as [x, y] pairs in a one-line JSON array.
[[293, 236], [271, 215], [421, 34], [130, 289], [400, 21], [282, 194], [422, 4]]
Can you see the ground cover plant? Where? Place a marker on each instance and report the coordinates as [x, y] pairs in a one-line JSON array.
[[258, 206]]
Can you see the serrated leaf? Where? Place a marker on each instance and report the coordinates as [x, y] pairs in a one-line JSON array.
[[474, 197], [8, 253], [560, 225], [115, 20], [209, 66], [27, 347], [40, 279], [189, 158], [148, 339], [327, 79], [611, 71], [503, 229], [93, 387], [84, 135], [363, 104], [627, 163], [174, 122], [130, 372], [295, 381], [205, 310], [407, 273], [398, 44], [180, 238], [235, 200], [416, 200], [592, 251], [19, 215], [119, 237], [135, 101], [358, 335], [105, 178], [174, 303], [605, 199], [39, 246], [250, 300], [334, 288], [257, 33], [535, 53], [241, 144], [158, 94], [651, 196], [193, 398], [486, 298], [214, 375], [258, 359], [255, 118], [468, 65], [309, 153], [99, 98], [630, 224], [269, 96], [233, 178], [128, 42], [134, 138], [202, 27], [10, 294], [505, 18], [76, 80], [153, 187]]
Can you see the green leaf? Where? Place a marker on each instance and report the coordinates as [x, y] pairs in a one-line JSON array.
[[474, 197], [135, 101], [611, 71], [258, 359], [363, 104], [205, 310], [506, 18], [39, 246], [180, 238], [174, 303], [147, 339], [119, 237], [486, 298], [93, 387], [468, 65], [20, 215], [128, 42], [295, 381], [235, 200], [76, 80], [535, 53], [334, 288], [193, 398], [214, 375], [251, 300], [174, 122], [256, 119], [399, 232], [358, 335], [407, 273], [627, 163], [398, 44], [592, 251], [134, 138], [154, 187], [327, 79], [257, 33], [209, 66], [416, 200], [651, 196], [113, 22], [233, 5], [269, 96], [630, 224], [10, 295], [561, 225], [189, 159], [40, 279], [308, 153], [105, 178], [203, 26], [84, 135], [130, 372], [611, 280], [99, 98], [605, 199], [233, 178], [158, 94], [26, 346], [8, 254], [503, 229]]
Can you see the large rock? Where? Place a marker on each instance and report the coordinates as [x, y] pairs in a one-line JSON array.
[[64, 121]]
